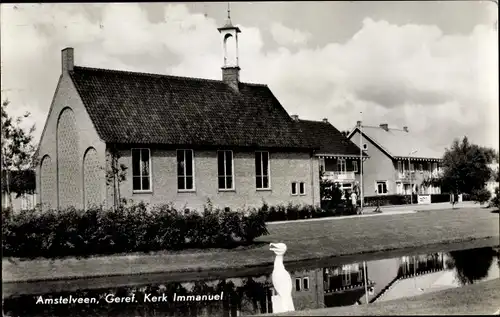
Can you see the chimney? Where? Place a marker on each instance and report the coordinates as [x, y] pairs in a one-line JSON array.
[[405, 129], [385, 126], [67, 59], [295, 117], [231, 76], [325, 120], [358, 124]]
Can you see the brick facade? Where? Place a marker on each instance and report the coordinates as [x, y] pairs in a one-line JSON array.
[[72, 172], [285, 168], [67, 134]]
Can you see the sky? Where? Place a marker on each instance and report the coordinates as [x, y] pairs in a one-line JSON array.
[[431, 65]]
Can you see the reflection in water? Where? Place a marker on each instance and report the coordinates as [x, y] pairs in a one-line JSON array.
[[472, 265], [313, 288]]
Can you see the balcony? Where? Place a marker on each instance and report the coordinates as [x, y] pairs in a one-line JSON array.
[[339, 176], [405, 175]]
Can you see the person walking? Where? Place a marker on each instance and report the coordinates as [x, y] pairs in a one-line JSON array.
[[354, 201]]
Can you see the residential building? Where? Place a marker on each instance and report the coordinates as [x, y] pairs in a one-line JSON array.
[[183, 140], [338, 156], [400, 162]]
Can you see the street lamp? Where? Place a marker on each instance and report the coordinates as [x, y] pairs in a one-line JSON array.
[[360, 126], [409, 169]]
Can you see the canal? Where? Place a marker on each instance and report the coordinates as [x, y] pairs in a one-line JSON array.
[[333, 283]]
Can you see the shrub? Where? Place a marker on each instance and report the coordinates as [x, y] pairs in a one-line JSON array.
[[389, 200], [129, 228], [481, 195]]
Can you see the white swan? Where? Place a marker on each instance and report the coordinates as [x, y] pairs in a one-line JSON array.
[[282, 281]]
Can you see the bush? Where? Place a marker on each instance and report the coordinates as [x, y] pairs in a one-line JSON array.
[[389, 200], [481, 196], [440, 198], [130, 228]]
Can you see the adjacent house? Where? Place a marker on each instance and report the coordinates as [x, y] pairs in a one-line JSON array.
[[339, 157], [182, 140], [400, 162]]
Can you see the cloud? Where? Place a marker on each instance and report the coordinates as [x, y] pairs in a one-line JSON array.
[[440, 85], [285, 36]]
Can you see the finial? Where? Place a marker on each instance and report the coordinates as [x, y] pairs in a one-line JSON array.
[[228, 11]]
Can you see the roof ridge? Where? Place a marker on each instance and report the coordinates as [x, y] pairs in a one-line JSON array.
[[159, 75]]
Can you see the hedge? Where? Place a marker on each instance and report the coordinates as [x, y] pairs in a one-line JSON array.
[[133, 228], [389, 200]]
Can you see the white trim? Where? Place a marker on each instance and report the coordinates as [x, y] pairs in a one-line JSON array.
[[355, 164], [185, 177], [303, 193], [142, 191], [225, 175], [303, 283], [386, 187], [300, 284], [268, 188]]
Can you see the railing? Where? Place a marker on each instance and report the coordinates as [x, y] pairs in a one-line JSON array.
[[406, 174], [339, 176]]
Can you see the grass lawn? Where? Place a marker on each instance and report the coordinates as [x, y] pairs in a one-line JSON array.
[[305, 241], [477, 299]]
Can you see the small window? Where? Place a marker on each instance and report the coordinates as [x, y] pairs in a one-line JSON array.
[[302, 188], [412, 167], [141, 170], [305, 282], [382, 187], [355, 166], [298, 285], [294, 188], [420, 167]]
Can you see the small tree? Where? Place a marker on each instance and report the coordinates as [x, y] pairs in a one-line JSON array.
[[466, 167], [116, 174], [18, 150], [481, 196]]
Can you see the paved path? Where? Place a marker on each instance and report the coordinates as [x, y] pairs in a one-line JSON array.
[[391, 210]]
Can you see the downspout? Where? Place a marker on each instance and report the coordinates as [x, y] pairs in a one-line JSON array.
[[312, 178]]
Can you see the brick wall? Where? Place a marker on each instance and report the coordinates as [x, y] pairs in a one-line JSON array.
[[284, 169], [67, 135]]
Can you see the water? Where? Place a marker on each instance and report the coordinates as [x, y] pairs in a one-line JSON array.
[[333, 285]]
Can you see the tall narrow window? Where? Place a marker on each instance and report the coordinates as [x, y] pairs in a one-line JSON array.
[[341, 165], [302, 188], [294, 188], [185, 170], [262, 170], [305, 282], [225, 170], [298, 285], [400, 167], [141, 170]]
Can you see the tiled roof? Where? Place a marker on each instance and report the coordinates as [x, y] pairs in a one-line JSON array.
[[329, 140], [399, 143], [140, 108]]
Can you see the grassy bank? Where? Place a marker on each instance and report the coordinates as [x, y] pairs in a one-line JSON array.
[[477, 299], [305, 241]]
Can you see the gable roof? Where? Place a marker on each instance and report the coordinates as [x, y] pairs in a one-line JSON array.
[[398, 143], [329, 140], [142, 108]]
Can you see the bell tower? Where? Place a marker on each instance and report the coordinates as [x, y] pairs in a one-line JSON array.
[[230, 68]]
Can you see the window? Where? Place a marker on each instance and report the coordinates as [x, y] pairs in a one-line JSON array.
[[294, 188], [346, 275], [225, 170], [355, 166], [141, 170], [434, 166], [382, 187], [420, 167], [262, 170], [305, 282], [298, 285], [185, 170], [302, 188], [341, 165], [412, 167], [400, 167]]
